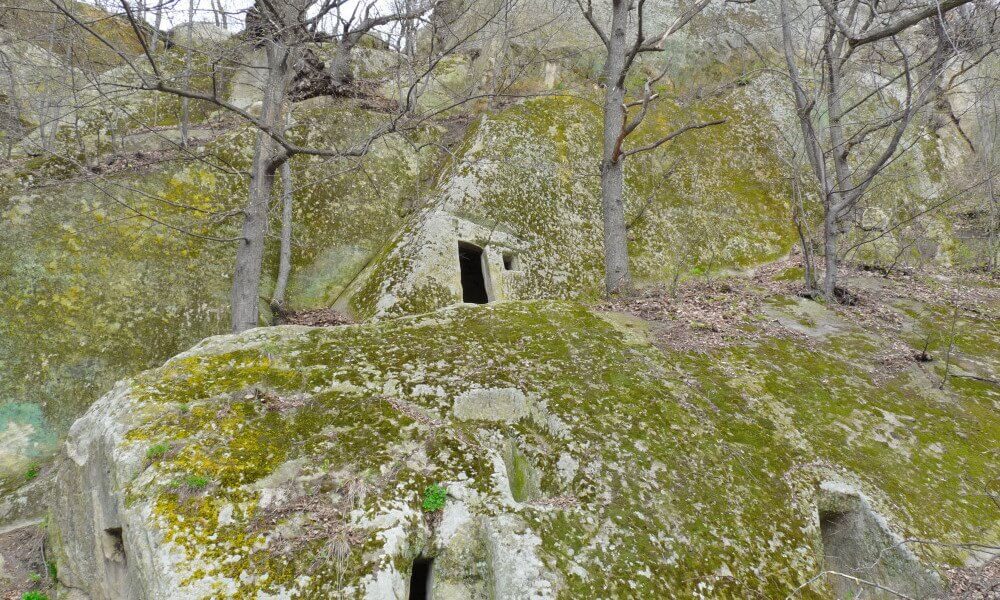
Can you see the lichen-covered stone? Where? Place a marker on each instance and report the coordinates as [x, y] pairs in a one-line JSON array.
[[524, 185], [91, 292], [298, 460]]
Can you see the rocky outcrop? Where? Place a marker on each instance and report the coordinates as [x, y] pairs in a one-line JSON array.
[[520, 187], [573, 456]]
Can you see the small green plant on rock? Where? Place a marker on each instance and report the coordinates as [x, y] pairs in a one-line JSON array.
[[32, 472], [196, 482], [157, 451], [434, 497], [34, 596]]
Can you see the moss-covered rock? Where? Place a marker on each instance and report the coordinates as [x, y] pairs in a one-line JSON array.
[[524, 186], [105, 276], [576, 456]]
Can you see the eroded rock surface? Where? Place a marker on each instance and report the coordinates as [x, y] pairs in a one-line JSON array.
[[293, 462]]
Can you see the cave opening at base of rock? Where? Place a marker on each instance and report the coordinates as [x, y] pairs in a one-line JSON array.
[[475, 288], [420, 579]]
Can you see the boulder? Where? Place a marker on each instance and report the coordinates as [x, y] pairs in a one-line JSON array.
[[513, 450]]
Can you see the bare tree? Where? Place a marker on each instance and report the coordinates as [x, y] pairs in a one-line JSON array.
[[846, 149], [988, 107], [284, 30], [623, 116], [186, 102]]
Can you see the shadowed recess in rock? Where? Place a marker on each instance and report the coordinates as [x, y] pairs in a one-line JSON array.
[[863, 558], [420, 579], [474, 288]]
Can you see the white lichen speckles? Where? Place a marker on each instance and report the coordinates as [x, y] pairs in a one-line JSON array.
[[492, 404], [623, 467]]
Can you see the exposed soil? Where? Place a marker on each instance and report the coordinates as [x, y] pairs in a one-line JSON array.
[[22, 563]]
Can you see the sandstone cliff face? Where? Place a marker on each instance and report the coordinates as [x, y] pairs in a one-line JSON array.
[[577, 456]]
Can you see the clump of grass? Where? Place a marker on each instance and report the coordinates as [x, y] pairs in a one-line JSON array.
[[196, 482], [34, 596], [434, 497], [32, 472], [157, 451]]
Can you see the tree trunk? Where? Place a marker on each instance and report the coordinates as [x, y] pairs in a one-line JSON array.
[[250, 254], [185, 103], [831, 228], [617, 278], [802, 227], [266, 160], [285, 255], [838, 210], [157, 20], [340, 65]]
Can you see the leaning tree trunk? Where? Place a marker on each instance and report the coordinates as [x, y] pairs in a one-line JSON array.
[[616, 270], [285, 255], [266, 160]]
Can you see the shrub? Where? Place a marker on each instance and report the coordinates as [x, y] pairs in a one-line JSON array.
[[434, 497], [32, 472], [34, 596]]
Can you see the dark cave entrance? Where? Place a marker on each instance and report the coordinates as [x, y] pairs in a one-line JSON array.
[[475, 286], [857, 543], [420, 579]]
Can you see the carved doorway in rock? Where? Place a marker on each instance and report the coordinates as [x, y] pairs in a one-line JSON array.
[[475, 274]]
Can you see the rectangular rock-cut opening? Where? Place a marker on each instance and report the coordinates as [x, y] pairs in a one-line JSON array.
[[420, 578], [475, 277], [840, 550], [511, 262]]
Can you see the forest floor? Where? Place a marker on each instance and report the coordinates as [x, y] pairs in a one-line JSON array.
[[714, 311], [23, 565], [978, 583]]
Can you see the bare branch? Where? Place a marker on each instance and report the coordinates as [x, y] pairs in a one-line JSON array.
[[673, 135], [875, 35]]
